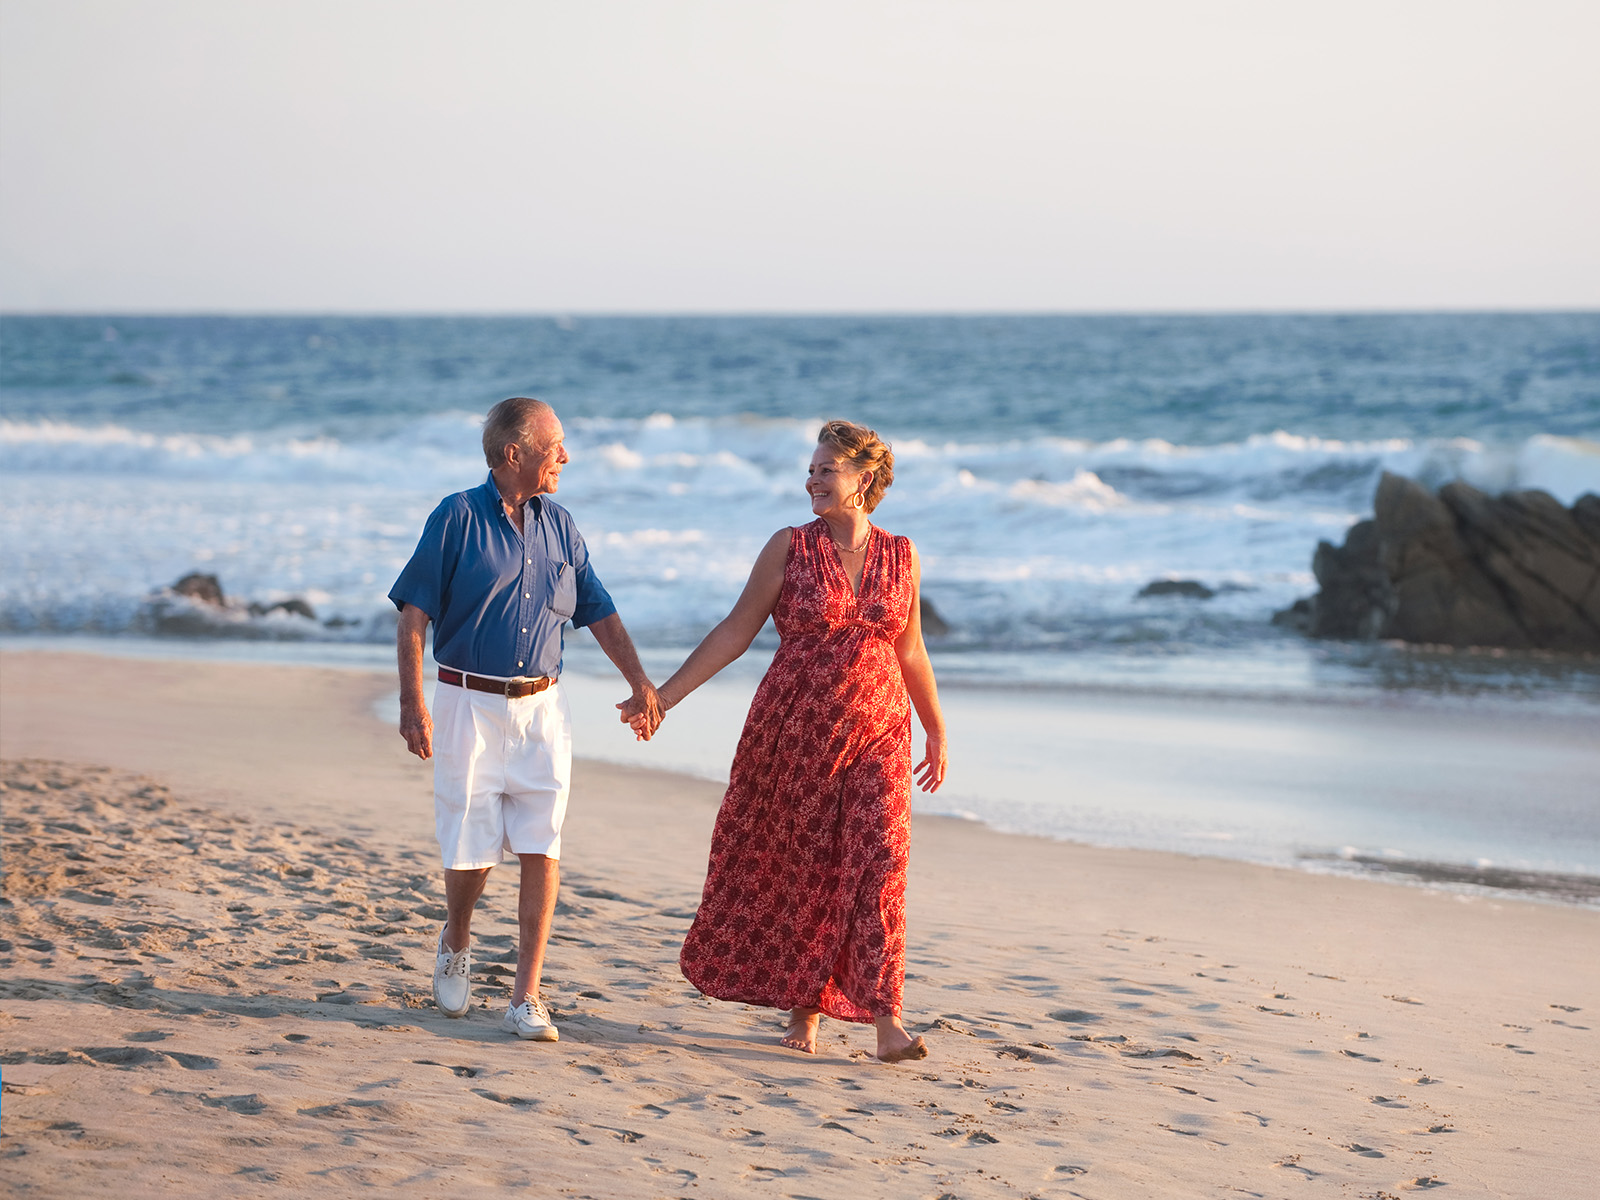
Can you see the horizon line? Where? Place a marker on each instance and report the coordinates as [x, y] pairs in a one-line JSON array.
[[792, 314]]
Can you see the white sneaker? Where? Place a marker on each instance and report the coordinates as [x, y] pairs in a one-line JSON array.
[[452, 990], [531, 1021]]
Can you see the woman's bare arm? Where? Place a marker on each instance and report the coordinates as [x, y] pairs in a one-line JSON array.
[[734, 633], [917, 671]]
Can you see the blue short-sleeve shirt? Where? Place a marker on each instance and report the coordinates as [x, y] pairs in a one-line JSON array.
[[498, 597]]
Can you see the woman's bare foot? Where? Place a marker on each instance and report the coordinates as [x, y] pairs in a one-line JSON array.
[[802, 1031], [895, 1044]]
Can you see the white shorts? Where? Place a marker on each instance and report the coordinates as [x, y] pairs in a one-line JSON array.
[[501, 769]]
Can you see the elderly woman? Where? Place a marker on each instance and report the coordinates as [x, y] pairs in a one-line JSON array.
[[804, 902]]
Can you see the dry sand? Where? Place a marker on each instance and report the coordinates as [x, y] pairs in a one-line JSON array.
[[221, 893]]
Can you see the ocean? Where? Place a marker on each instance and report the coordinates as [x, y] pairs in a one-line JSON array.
[[1048, 467]]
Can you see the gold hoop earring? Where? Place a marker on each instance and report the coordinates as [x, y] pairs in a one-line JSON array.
[[860, 500]]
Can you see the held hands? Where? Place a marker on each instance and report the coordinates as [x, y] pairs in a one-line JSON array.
[[642, 711], [930, 771]]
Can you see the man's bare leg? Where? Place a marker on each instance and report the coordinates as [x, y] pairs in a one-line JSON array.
[[461, 892], [536, 905], [802, 1031], [894, 1043]]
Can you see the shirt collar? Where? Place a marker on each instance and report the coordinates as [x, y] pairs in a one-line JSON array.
[[492, 498]]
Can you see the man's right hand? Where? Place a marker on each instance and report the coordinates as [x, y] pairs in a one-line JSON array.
[[642, 712], [416, 726]]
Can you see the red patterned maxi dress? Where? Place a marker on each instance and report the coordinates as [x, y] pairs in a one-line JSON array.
[[805, 896]]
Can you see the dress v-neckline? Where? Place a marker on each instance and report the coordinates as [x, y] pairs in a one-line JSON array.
[[855, 590]]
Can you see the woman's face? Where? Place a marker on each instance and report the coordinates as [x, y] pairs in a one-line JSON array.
[[830, 482]]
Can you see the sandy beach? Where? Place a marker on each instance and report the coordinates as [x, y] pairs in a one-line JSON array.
[[221, 893]]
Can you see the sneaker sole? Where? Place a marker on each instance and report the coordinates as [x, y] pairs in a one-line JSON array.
[[543, 1035]]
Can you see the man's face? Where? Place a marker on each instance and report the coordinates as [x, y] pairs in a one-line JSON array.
[[547, 454]]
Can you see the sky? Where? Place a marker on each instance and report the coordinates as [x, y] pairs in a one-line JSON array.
[[864, 156]]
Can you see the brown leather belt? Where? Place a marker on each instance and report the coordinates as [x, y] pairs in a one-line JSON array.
[[514, 689]]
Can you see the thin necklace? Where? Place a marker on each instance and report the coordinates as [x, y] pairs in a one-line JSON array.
[[851, 549]]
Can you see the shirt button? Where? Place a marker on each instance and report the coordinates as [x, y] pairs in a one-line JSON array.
[[530, 562], [524, 595], [519, 664], [524, 629]]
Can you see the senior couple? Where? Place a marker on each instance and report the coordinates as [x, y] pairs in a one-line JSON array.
[[804, 901]]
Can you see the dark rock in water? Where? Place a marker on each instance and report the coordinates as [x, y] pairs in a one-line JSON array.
[[933, 625], [1586, 512], [1357, 597], [1190, 589], [196, 606], [1296, 617], [1462, 568], [294, 606], [207, 589]]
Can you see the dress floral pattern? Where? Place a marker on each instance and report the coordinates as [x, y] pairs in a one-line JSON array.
[[804, 902]]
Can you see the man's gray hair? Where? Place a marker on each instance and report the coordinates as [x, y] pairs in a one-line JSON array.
[[512, 420]]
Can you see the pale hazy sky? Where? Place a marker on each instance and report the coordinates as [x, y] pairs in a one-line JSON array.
[[690, 155]]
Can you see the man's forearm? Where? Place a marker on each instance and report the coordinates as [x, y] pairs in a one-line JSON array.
[[416, 726], [618, 646], [409, 650]]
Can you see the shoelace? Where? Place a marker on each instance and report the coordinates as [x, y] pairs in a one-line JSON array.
[[457, 964], [535, 1007]]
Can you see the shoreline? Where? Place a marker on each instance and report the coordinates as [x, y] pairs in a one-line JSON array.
[[1454, 695], [713, 719]]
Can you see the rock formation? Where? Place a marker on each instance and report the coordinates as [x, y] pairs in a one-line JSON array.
[[1189, 589], [933, 625], [196, 606], [1461, 568], [207, 589]]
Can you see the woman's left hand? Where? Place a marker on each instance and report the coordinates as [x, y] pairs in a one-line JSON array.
[[930, 771]]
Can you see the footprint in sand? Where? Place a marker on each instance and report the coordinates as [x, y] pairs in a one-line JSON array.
[[509, 1101], [1023, 1054], [129, 1056], [458, 1072], [1074, 1016], [247, 1106]]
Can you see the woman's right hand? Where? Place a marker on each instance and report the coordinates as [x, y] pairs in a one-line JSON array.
[[930, 771]]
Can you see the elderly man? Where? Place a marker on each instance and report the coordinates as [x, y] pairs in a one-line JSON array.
[[499, 570]]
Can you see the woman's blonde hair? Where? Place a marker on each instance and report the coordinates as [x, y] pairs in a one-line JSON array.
[[864, 450]]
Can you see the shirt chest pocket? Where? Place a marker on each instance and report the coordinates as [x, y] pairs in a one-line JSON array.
[[563, 589]]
